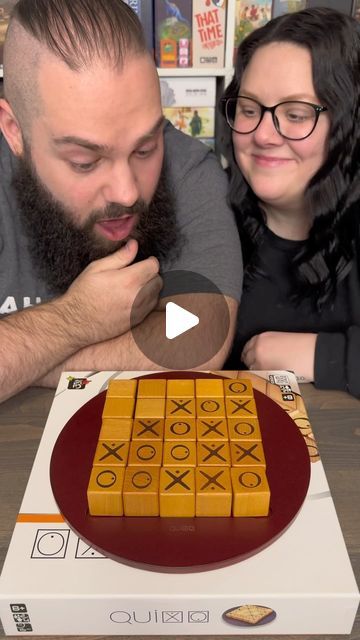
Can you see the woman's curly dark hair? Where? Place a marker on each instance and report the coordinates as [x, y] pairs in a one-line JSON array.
[[333, 193]]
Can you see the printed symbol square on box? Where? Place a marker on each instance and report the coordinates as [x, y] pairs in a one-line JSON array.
[[77, 383], [24, 627], [50, 543], [172, 616], [199, 617], [17, 608], [84, 551], [21, 617]]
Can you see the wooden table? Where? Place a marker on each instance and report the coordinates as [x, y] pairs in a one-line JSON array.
[[335, 419]]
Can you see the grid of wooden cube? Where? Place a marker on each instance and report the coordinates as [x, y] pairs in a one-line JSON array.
[[179, 448]]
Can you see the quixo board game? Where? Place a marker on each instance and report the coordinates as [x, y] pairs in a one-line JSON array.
[[285, 572]]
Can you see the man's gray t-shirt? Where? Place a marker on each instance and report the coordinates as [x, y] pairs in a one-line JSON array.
[[210, 246]]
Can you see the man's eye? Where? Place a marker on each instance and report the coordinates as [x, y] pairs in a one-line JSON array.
[[83, 167], [144, 153]]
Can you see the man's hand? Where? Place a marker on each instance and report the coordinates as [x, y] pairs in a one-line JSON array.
[[97, 307], [101, 298], [280, 350]]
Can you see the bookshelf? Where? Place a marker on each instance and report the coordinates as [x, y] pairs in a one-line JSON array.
[[225, 72]]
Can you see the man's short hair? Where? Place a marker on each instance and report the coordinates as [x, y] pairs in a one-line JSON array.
[[78, 32]]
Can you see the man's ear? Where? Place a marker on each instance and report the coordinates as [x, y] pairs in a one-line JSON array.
[[10, 128]]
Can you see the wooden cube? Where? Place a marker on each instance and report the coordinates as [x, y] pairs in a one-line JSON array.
[[114, 453], [116, 429], [236, 387], [152, 388], [212, 429], [121, 389], [145, 453], [104, 491], [209, 388], [213, 491], [177, 492], [118, 408], [180, 388], [213, 453], [150, 408], [210, 408], [244, 429], [148, 429], [241, 407], [249, 453], [180, 429], [141, 491], [179, 454], [251, 492], [180, 408]]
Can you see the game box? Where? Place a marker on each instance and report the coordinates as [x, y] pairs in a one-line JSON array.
[[209, 32], [188, 92], [287, 573]]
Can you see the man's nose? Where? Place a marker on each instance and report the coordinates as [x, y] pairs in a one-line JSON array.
[[266, 133], [121, 186]]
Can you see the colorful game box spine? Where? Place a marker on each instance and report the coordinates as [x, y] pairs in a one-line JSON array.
[[6, 6], [145, 11], [173, 33], [209, 32], [195, 122], [188, 91], [356, 10], [249, 16], [280, 7], [189, 103]]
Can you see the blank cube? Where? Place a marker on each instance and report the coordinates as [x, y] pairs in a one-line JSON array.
[[152, 388], [116, 429], [181, 388], [150, 408], [118, 408], [121, 389], [209, 388]]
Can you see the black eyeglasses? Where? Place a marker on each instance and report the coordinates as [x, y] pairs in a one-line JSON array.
[[294, 120]]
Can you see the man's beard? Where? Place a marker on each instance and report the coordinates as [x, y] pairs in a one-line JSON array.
[[60, 250]]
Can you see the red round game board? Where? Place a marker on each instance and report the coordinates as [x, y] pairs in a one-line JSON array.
[[180, 544]]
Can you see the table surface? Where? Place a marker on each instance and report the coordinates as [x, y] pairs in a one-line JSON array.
[[335, 419]]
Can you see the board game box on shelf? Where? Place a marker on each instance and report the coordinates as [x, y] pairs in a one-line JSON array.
[[70, 573]]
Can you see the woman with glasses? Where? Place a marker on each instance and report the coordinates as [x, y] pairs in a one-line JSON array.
[[292, 140]]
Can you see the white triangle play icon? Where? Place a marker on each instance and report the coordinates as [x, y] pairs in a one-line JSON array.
[[178, 320]]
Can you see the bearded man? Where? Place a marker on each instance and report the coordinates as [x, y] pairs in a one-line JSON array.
[[99, 198]]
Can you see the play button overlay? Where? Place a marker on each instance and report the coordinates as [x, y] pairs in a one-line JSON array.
[[189, 326], [178, 320]]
